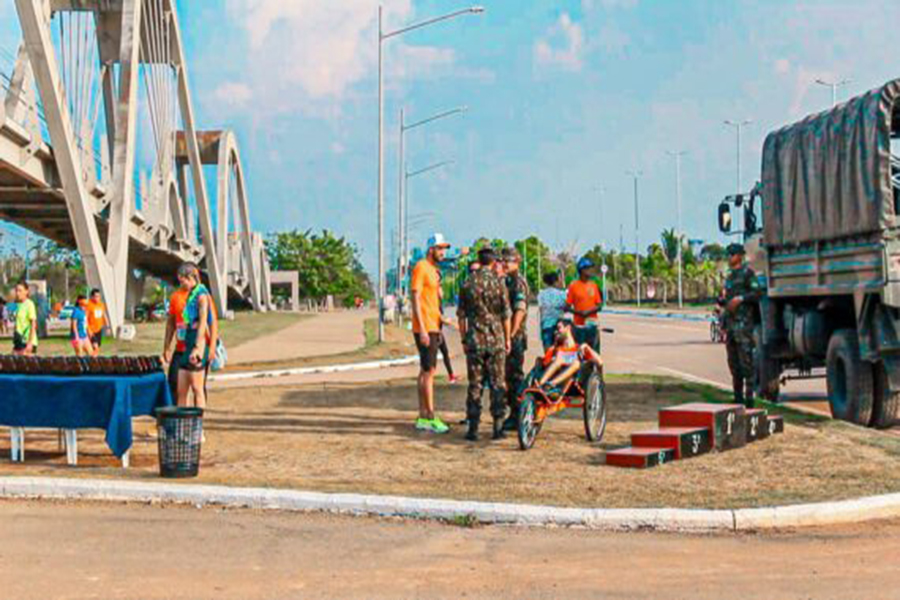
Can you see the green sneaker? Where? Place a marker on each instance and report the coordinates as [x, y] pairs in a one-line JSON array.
[[423, 424], [439, 426]]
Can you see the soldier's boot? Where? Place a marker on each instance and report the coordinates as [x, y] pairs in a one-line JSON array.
[[499, 432], [472, 431], [748, 396], [738, 386]]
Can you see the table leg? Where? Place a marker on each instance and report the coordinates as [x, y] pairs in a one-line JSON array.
[[17, 443], [71, 436]]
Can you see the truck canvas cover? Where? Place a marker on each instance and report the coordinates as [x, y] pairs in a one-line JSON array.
[[829, 176]]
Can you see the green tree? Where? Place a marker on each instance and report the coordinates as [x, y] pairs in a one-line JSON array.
[[327, 265]]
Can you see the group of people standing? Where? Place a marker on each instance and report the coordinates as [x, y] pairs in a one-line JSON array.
[[492, 318]]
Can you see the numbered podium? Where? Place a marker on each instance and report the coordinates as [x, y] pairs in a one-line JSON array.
[[693, 429]]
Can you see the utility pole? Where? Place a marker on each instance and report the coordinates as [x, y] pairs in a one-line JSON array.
[[678, 232], [636, 175]]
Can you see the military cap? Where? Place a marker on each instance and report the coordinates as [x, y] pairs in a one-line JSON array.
[[734, 249], [487, 255]]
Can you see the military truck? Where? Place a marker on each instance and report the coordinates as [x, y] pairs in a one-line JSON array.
[[822, 229]]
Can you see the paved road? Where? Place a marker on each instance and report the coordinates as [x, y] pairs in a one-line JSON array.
[[97, 551]]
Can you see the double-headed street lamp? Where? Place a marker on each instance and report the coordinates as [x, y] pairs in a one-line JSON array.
[[382, 36], [834, 85], [407, 175], [403, 242], [739, 127]]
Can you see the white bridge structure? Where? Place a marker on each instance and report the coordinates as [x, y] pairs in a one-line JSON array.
[[100, 152]]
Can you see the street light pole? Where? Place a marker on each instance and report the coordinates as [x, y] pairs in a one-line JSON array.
[[834, 85], [739, 126], [406, 177], [403, 242], [382, 36], [637, 233], [678, 232]]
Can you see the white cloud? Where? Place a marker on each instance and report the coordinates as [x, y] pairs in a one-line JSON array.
[[608, 4], [562, 45], [232, 94]]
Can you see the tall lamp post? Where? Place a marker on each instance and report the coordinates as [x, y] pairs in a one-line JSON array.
[[407, 175], [403, 243], [739, 127], [636, 175], [834, 85], [382, 37], [678, 233]]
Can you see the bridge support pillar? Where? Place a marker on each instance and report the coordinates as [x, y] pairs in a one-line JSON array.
[[134, 293]]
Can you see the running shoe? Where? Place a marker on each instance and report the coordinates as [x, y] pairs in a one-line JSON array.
[[423, 424], [439, 426], [453, 379]]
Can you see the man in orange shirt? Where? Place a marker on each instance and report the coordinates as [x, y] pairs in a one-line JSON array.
[[425, 289], [96, 319], [584, 298]]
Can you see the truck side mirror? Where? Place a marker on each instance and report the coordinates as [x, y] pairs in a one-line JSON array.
[[724, 218]]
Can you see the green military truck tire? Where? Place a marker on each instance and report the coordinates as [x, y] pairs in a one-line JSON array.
[[850, 379], [886, 407], [768, 372]]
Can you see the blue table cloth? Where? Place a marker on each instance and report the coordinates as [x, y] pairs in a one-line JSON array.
[[83, 402]]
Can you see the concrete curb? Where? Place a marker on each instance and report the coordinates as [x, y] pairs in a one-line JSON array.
[[363, 366], [655, 314], [614, 519]]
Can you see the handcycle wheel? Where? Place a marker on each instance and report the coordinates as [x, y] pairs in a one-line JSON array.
[[595, 407], [529, 427], [714, 332]]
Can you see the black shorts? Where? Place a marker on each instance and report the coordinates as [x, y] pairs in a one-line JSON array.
[[428, 354], [19, 343], [97, 339]]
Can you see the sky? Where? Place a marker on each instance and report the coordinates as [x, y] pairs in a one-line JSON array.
[[564, 99]]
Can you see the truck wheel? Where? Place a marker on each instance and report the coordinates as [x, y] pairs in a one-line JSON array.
[[886, 409], [768, 372], [850, 380]]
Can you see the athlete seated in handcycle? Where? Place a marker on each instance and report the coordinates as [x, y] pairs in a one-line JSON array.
[[565, 359]]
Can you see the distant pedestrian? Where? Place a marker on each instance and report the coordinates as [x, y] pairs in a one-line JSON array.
[[4, 316], [25, 333], [78, 330], [425, 286], [96, 320], [552, 306]]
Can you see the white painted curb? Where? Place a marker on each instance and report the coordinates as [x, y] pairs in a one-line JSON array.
[[615, 519], [363, 366]]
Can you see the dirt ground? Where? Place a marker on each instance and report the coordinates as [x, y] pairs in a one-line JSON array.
[[83, 550], [359, 438]]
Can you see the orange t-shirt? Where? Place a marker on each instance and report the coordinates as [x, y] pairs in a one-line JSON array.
[[96, 316], [426, 280], [583, 296], [177, 301]]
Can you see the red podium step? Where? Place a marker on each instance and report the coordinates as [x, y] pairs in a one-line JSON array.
[[757, 424], [685, 441], [727, 422], [639, 458]]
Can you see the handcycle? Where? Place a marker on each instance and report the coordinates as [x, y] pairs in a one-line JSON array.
[[586, 390], [716, 327]]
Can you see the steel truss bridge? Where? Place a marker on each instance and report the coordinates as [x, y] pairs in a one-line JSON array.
[[100, 152]]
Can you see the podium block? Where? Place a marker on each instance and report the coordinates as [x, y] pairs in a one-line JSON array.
[[685, 441], [639, 458], [726, 422]]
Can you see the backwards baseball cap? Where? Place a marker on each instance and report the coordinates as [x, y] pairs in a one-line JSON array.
[[437, 240], [735, 249]]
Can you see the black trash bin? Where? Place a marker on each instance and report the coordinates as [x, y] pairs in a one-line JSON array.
[[180, 433]]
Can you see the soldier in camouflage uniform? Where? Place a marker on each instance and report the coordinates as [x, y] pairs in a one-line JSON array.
[[517, 287], [742, 293], [484, 324]]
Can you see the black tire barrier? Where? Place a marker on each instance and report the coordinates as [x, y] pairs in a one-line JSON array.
[[76, 366]]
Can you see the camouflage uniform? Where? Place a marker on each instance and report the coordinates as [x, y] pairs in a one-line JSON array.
[[484, 304], [515, 362], [739, 329]]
